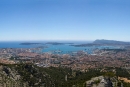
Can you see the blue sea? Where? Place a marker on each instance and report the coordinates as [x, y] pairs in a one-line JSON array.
[[58, 49]]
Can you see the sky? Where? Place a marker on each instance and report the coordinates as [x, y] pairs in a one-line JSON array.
[[25, 20]]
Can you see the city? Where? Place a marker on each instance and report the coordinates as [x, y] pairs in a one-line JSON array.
[[64, 43], [100, 59]]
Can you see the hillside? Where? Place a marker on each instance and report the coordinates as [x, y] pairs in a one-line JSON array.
[[29, 75]]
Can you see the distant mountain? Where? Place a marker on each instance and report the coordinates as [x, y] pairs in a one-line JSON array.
[[112, 42]]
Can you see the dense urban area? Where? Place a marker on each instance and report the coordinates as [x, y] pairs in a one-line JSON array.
[[22, 67], [64, 43]]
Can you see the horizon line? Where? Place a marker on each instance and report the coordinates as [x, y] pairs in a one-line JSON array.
[[57, 40]]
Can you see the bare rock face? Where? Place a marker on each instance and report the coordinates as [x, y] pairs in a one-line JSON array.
[[9, 77]]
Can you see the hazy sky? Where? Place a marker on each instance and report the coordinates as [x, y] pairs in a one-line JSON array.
[[64, 20]]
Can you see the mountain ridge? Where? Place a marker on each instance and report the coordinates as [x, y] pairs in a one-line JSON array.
[[103, 41]]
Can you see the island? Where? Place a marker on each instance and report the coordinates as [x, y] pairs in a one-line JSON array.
[[57, 43], [30, 43]]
